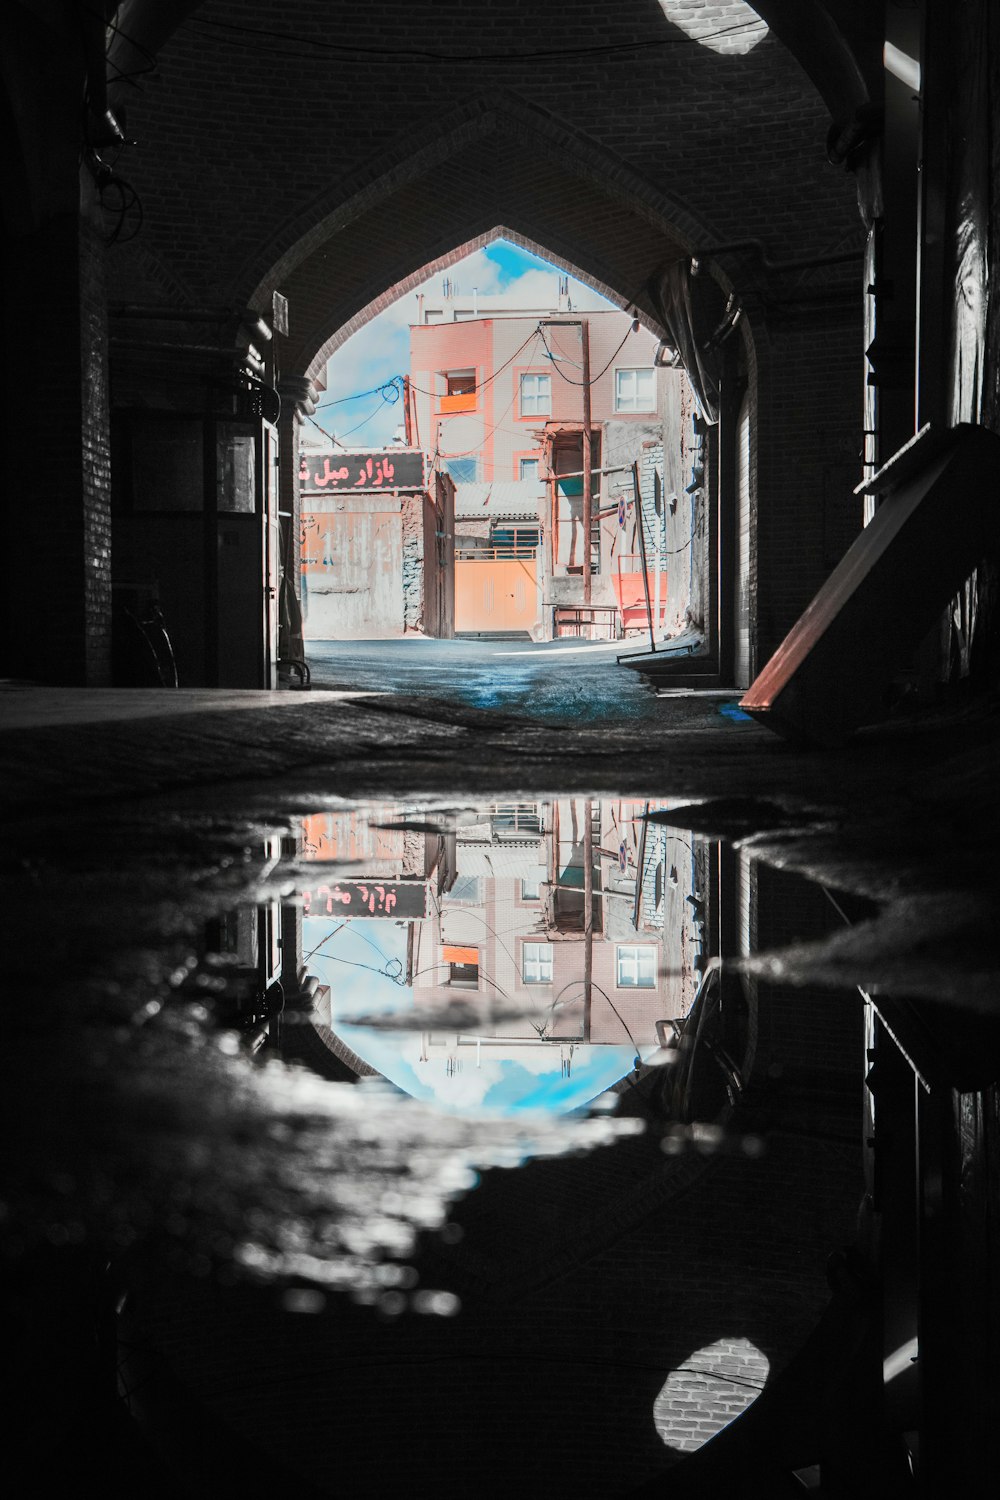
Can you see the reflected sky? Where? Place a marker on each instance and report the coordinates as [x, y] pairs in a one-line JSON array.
[[494, 995]]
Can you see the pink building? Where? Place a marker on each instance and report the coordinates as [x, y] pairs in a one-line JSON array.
[[504, 398]]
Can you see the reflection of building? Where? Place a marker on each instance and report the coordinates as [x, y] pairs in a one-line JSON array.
[[511, 933], [377, 551], [541, 417], [384, 869]]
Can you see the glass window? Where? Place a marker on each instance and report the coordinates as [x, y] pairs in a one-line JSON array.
[[467, 888], [529, 468], [635, 966], [460, 383], [531, 885], [462, 470], [236, 471], [536, 395], [536, 963], [464, 976], [635, 390]]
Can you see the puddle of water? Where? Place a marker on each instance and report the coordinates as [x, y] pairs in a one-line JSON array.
[[321, 1088]]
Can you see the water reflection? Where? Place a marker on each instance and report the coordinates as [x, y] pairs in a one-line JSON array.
[[316, 1097], [516, 957]]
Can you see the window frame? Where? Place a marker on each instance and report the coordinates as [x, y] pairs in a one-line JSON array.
[[637, 949], [635, 409], [542, 964], [538, 376]]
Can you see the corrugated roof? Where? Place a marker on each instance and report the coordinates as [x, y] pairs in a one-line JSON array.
[[521, 498]]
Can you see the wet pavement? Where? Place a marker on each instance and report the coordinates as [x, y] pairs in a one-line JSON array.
[[188, 1133], [562, 681]]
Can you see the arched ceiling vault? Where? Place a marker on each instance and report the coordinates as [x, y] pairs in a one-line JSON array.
[[612, 229], [339, 184]]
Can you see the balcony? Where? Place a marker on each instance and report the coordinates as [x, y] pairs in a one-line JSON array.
[[449, 405]]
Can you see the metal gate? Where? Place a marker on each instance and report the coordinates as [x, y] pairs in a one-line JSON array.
[[495, 594]]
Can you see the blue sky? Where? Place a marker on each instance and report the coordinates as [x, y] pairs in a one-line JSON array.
[[350, 959], [380, 350]]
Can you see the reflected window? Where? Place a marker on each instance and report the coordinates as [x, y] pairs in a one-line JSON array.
[[464, 975], [467, 889], [635, 966], [517, 819], [536, 963], [529, 468], [531, 885]]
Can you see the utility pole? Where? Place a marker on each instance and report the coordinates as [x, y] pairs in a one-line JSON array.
[[588, 501], [407, 419]]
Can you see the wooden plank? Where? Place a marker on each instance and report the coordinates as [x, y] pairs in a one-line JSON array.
[[935, 525]]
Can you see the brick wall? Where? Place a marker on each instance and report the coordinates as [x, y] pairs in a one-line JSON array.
[[610, 161], [597, 134]]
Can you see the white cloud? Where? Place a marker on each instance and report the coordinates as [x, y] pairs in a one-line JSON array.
[[381, 349]]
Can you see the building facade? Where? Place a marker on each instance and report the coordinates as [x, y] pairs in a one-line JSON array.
[[508, 400], [377, 558]]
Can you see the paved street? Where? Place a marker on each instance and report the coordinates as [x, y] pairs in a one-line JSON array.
[[556, 682]]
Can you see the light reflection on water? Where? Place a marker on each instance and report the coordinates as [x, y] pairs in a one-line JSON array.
[[393, 1056], [420, 995]]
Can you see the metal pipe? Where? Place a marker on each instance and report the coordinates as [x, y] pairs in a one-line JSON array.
[[642, 552], [588, 478]]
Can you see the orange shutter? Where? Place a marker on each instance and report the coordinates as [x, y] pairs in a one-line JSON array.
[[460, 955]]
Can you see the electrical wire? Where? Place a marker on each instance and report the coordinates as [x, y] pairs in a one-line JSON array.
[[378, 390], [110, 24], [364, 423], [328, 435], [498, 371], [427, 55], [487, 432], [325, 940], [594, 378]]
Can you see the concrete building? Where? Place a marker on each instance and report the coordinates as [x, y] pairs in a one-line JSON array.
[[507, 398], [377, 552]]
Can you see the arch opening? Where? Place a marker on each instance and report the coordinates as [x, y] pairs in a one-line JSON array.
[[474, 426]]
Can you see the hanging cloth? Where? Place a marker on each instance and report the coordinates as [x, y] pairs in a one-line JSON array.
[[691, 309]]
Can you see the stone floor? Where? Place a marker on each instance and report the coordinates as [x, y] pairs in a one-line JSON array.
[[119, 808]]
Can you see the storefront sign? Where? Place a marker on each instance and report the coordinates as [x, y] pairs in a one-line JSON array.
[[403, 900], [337, 472]]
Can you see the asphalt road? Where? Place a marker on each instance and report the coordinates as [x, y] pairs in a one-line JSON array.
[[556, 682]]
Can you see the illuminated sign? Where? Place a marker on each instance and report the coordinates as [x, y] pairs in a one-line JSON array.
[[403, 900], [338, 473]]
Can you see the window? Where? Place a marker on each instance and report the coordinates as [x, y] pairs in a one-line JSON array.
[[460, 383], [531, 885], [536, 963], [536, 395], [635, 967], [463, 965], [462, 470], [514, 541], [635, 390], [459, 392], [464, 976], [467, 888], [529, 468]]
